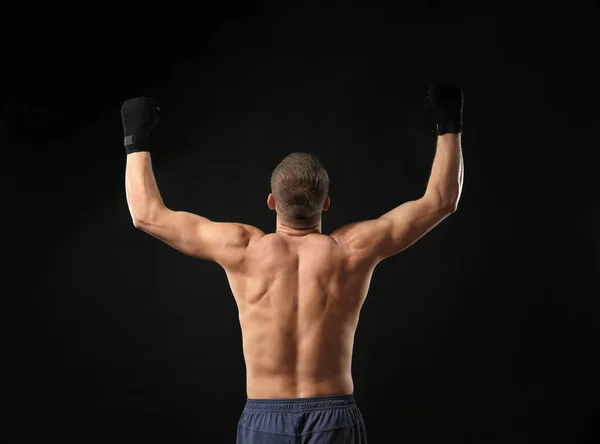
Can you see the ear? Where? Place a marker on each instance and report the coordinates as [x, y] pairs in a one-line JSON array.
[[326, 203], [271, 202]]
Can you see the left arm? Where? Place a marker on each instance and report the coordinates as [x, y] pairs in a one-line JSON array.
[[224, 243]]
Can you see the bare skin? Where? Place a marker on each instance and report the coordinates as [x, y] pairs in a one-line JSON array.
[[299, 299], [299, 293]]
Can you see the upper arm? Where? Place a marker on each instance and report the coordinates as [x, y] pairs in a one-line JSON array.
[[376, 239], [197, 236]]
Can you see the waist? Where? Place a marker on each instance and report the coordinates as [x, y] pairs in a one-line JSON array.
[[303, 404], [282, 386]]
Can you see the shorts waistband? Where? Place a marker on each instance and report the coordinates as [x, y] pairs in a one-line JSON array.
[[291, 404]]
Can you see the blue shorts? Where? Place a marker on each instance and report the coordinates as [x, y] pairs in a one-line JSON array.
[[318, 420]]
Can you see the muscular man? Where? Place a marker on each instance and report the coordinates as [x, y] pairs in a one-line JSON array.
[[299, 292]]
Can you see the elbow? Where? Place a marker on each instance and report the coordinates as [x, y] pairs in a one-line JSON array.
[[444, 202], [446, 206], [449, 201], [140, 221], [137, 215], [142, 217], [451, 206], [137, 223]]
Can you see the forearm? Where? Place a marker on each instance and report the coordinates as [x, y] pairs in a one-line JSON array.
[[446, 179], [143, 197]]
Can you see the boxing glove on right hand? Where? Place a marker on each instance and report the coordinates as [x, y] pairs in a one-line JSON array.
[[444, 104], [138, 116]]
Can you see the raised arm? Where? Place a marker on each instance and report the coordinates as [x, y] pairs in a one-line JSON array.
[[193, 235], [374, 240]]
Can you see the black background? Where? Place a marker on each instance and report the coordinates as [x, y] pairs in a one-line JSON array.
[[486, 331]]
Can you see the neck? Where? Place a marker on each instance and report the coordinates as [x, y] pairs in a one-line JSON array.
[[298, 229]]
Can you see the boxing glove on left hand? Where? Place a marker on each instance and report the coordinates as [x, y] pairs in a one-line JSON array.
[[444, 104], [139, 116]]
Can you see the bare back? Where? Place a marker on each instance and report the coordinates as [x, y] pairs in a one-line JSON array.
[[299, 300]]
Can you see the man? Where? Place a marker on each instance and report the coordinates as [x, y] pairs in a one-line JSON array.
[[298, 292]]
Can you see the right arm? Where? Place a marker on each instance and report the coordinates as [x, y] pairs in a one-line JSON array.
[[377, 239]]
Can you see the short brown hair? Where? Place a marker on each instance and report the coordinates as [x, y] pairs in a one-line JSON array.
[[300, 185]]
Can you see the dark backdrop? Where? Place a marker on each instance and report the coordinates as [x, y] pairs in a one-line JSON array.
[[485, 331]]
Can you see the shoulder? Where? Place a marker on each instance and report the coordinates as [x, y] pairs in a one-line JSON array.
[[353, 240], [250, 232]]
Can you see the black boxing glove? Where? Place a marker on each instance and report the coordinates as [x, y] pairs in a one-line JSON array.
[[444, 104], [139, 116]]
